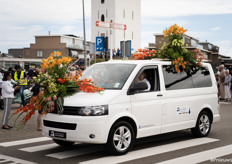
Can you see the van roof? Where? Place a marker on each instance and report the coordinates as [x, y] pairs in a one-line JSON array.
[[142, 62], [138, 62]]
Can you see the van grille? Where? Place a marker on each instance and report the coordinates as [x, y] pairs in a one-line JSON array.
[[59, 125], [68, 110]]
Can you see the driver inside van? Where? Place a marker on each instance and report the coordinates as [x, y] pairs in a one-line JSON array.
[[142, 77]]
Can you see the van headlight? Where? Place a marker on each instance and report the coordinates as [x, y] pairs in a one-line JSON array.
[[98, 110]]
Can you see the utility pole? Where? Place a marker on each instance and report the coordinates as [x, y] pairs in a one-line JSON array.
[[84, 33]]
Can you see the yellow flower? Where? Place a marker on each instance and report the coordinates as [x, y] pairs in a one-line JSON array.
[[52, 54], [50, 58], [58, 53]]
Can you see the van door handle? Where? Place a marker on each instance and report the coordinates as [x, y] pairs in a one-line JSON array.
[[159, 95]]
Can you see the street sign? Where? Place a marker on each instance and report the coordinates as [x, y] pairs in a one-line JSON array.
[[128, 48], [119, 26], [92, 48], [99, 44], [103, 24], [125, 47], [111, 25]]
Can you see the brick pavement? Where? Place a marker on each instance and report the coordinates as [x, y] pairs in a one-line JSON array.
[[29, 130]]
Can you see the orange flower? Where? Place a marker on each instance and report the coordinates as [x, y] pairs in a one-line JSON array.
[[58, 53], [62, 81]]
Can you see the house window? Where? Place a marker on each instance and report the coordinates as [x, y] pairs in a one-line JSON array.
[[102, 18], [39, 54], [102, 1]]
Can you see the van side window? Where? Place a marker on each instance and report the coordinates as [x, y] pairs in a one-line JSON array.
[[202, 78], [195, 79], [152, 75]]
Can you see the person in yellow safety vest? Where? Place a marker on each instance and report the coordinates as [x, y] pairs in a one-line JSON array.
[[21, 78]]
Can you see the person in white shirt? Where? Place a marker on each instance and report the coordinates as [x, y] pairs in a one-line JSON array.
[[1, 101], [8, 95], [142, 77], [227, 85]]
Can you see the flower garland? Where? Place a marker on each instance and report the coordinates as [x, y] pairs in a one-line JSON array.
[[144, 54], [56, 85], [181, 58]]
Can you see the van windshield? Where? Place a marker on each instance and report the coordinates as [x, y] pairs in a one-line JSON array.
[[109, 76]]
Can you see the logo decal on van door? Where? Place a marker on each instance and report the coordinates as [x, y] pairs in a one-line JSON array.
[[183, 110], [145, 126]]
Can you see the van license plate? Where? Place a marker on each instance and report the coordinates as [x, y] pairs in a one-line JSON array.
[[57, 134]]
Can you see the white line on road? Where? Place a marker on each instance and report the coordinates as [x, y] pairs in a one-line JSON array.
[[27, 141], [13, 160], [151, 151], [202, 156], [77, 152], [40, 148]]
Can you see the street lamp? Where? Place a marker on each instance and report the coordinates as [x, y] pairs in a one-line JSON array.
[[84, 33]]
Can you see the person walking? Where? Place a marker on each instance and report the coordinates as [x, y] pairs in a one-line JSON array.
[[8, 95], [21, 78], [227, 84], [221, 81], [1, 101]]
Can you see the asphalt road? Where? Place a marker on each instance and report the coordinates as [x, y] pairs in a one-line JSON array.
[[29, 146]]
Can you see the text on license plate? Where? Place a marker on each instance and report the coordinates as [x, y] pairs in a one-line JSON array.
[[57, 134]]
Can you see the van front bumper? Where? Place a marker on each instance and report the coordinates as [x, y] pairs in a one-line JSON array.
[[85, 129]]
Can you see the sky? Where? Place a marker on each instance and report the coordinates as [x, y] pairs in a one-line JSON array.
[[21, 20]]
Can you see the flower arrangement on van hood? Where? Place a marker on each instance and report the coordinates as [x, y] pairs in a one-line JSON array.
[[181, 58], [56, 85]]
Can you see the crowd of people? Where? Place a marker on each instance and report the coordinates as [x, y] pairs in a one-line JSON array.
[[11, 81], [224, 81], [15, 80]]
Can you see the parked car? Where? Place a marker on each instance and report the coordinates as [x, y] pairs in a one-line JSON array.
[[125, 111]]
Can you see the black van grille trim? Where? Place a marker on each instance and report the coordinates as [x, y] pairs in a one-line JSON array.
[[69, 110], [59, 125]]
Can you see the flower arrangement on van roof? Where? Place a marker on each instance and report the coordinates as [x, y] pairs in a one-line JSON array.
[[56, 85], [181, 58]]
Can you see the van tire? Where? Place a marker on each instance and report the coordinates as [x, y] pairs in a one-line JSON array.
[[63, 143], [125, 141], [203, 125]]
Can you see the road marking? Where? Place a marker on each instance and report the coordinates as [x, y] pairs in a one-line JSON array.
[[13, 160], [77, 152], [40, 148], [27, 141], [202, 156], [151, 151], [224, 102]]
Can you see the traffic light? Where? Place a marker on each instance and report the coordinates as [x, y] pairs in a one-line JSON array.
[[105, 43]]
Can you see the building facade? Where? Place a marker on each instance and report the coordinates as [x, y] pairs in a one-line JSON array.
[[119, 12], [69, 45]]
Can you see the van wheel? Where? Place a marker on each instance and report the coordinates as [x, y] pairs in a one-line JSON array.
[[121, 138], [63, 143], [203, 125]]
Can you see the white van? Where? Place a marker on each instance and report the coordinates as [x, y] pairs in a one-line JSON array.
[[126, 110]]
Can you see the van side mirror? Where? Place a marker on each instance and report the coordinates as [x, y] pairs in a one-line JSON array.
[[138, 86]]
